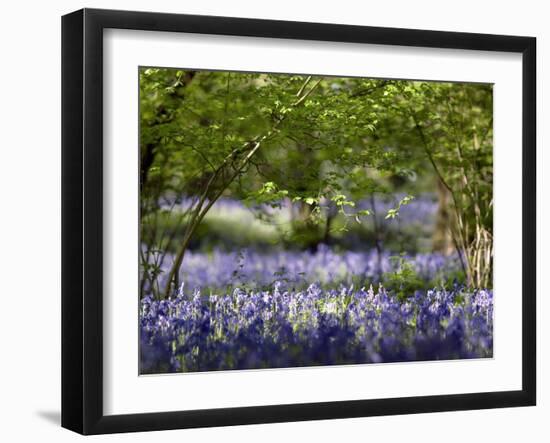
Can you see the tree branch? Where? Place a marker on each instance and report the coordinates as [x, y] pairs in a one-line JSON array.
[[199, 212]]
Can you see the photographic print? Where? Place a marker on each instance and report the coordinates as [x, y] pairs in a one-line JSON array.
[[306, 220], [293, 205]]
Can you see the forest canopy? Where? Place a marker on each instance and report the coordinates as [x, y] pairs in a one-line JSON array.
[[319, 145]]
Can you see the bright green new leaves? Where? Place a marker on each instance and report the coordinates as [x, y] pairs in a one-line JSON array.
[[322, 143]]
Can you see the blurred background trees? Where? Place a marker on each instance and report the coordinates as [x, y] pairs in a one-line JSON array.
[[340, 157]]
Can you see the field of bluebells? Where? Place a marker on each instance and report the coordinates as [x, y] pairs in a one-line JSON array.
[[252, 310], [250, 269]]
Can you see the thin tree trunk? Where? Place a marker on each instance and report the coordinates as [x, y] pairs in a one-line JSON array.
[[442, 240], [377, 240]]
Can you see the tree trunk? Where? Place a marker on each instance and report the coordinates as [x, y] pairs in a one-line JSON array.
[[442, 238]]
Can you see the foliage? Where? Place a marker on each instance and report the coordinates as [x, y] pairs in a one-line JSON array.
[[404, 280], [454, 126], [321, 143]]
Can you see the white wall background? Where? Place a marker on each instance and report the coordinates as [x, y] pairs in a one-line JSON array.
[[30, 67]]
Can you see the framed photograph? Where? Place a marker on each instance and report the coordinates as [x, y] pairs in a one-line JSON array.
[[269, 221]]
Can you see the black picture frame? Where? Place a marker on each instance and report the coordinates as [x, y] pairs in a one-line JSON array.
[[82, 218]]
